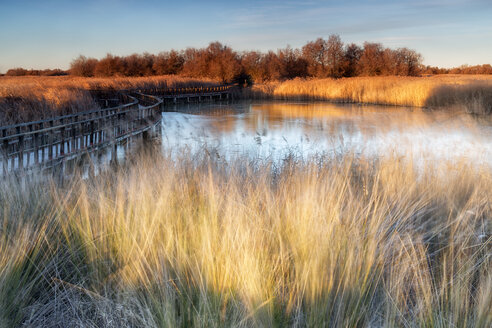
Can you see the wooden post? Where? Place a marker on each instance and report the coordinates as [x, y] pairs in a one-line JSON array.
[[73, 137], [50, 142], [29, 148], [20, 148], [36, 148], [62, 141], [21, 151], [114, 155], [43, 144], [81, 137], [5, 153]]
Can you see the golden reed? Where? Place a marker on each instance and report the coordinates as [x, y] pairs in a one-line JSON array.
[[467, 93], [194, 241]]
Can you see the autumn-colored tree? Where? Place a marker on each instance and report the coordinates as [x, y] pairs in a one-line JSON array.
[[195, 63], [109, 66], [223, 63], [252, 63], [351, 59], [371, 61], [314, 53], [408, 62], [83, 66], [325, 58], [291, 63], [273, 66], [334, 56], [168, 63], [320, 58], [131, 65]]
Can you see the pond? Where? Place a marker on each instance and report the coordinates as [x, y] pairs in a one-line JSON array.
[[275, 130], [271, 131]]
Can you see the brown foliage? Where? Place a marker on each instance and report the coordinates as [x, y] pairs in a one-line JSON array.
[[217, 62], [371, 62], [34, 72], [320, 58], [83, 66], [168, 63], [351, 59], [109, 66]]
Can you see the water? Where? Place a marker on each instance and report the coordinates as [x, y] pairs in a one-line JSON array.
[[275, 130]]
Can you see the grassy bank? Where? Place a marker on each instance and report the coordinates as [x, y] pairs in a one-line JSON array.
[[197, 242], [29, 98], [472, 94]]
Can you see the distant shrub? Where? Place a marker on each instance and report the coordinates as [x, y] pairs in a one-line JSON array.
[[24, 72], [83, 66]]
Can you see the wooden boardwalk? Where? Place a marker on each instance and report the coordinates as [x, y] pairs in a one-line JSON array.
[[46, 143]]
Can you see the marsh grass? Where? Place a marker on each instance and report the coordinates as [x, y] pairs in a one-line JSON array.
[[193, 241], [472, 94], [30, 98]]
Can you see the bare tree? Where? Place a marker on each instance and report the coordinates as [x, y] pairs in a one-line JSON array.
[[410, 62], [371, 62], [168, 63], [223, 62], [291, 63], [253, 65], [314, 53], [334, 56], [83, 66], [109, 66], [351, 59]]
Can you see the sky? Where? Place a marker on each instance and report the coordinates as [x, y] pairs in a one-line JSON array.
[[51, 33]]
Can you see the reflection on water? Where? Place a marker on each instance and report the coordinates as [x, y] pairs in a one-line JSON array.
[[273, 130]]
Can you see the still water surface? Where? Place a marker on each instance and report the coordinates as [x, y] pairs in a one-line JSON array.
[[275, 130]]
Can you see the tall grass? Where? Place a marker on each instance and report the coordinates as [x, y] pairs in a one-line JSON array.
[[29, 98], [194, 241], [472, 94]]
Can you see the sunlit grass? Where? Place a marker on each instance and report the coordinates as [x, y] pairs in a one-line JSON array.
[[30, 98], [471, 94], [197, 242]]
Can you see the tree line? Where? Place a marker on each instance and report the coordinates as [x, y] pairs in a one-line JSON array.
[[35, 72], [464, 69], [320, 58]]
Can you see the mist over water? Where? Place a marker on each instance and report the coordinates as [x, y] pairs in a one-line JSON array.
[[276, 130]]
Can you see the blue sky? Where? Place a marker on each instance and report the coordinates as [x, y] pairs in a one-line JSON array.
[[51, 33]]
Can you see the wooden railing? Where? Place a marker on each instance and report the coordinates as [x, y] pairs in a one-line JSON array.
[[195, 91], [47, 142]]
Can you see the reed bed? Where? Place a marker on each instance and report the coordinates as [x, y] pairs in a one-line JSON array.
[[29, 98], [195, 241], [472, 94]]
